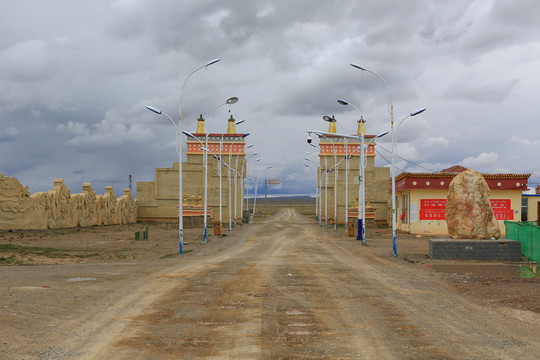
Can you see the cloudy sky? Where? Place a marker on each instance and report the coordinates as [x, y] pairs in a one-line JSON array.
[[75, 77]]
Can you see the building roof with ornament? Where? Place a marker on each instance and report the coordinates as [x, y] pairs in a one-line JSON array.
[[441, 180], [229, 142], [339, 145]]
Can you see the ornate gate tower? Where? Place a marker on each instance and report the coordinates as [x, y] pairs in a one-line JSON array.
[[339, 169]]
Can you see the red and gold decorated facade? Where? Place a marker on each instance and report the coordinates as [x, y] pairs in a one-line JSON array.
[[232, 144], [158, 200], [339, 188]]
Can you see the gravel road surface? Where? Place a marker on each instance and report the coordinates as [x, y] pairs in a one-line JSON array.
[[282, 288]]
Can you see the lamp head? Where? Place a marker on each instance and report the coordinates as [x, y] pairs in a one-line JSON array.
[[154, 109], [358, 67], [239, 122], [212, 62], [328, 118], [419, 111], [187, 133], [382, 134], [309, 139], [343, 102], [232, 100], [244, 135]]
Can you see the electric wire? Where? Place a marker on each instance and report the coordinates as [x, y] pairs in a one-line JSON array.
[[389, 162], [411, 162]]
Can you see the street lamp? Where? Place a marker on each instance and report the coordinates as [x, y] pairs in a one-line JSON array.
[[317, 186], [333, 128], [394, 149], [219, 169], [343, 102], [247, 198], [205, 164], [394, 152], [325, 176], [357, 138], [333, 122], [346, 158], [179, 151], [247, 189], [235, 181], [229, 101], [391, 112], [364, 183], [256, 188], [320, 184], [361, 181], [243, 185]]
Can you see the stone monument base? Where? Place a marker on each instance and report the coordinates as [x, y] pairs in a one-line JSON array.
[[472, 249]]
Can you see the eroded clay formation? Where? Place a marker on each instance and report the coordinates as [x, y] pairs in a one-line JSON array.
[[58, 208]]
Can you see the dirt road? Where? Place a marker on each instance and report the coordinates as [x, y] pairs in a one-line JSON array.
[[283, 288]]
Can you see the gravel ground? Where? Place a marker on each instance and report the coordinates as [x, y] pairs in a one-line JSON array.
[[60, 288]]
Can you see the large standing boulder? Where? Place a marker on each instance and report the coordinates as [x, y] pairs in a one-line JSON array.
[[469, 214]]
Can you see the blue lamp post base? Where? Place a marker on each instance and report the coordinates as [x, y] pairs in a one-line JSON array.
[[360, 230]]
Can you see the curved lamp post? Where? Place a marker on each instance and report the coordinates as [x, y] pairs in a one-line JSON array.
[[247, 189], [361, 181], [219, 169], [394, 152], [235, 181], [394, 149], [179, 151], [256, 188], [391, 112], [229, 101], [243, 185], [335, 168], [317, 173], [205, 164], [317, 184], [326, 177], [318, 217]]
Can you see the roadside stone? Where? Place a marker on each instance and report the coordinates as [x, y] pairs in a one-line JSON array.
[[469, 214]]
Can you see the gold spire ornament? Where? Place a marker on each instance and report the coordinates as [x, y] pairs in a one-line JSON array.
[[332, 128], [200, 125], [231, 129], [361, 126]]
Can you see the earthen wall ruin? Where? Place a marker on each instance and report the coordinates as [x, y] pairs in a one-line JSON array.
[[58, 208]]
